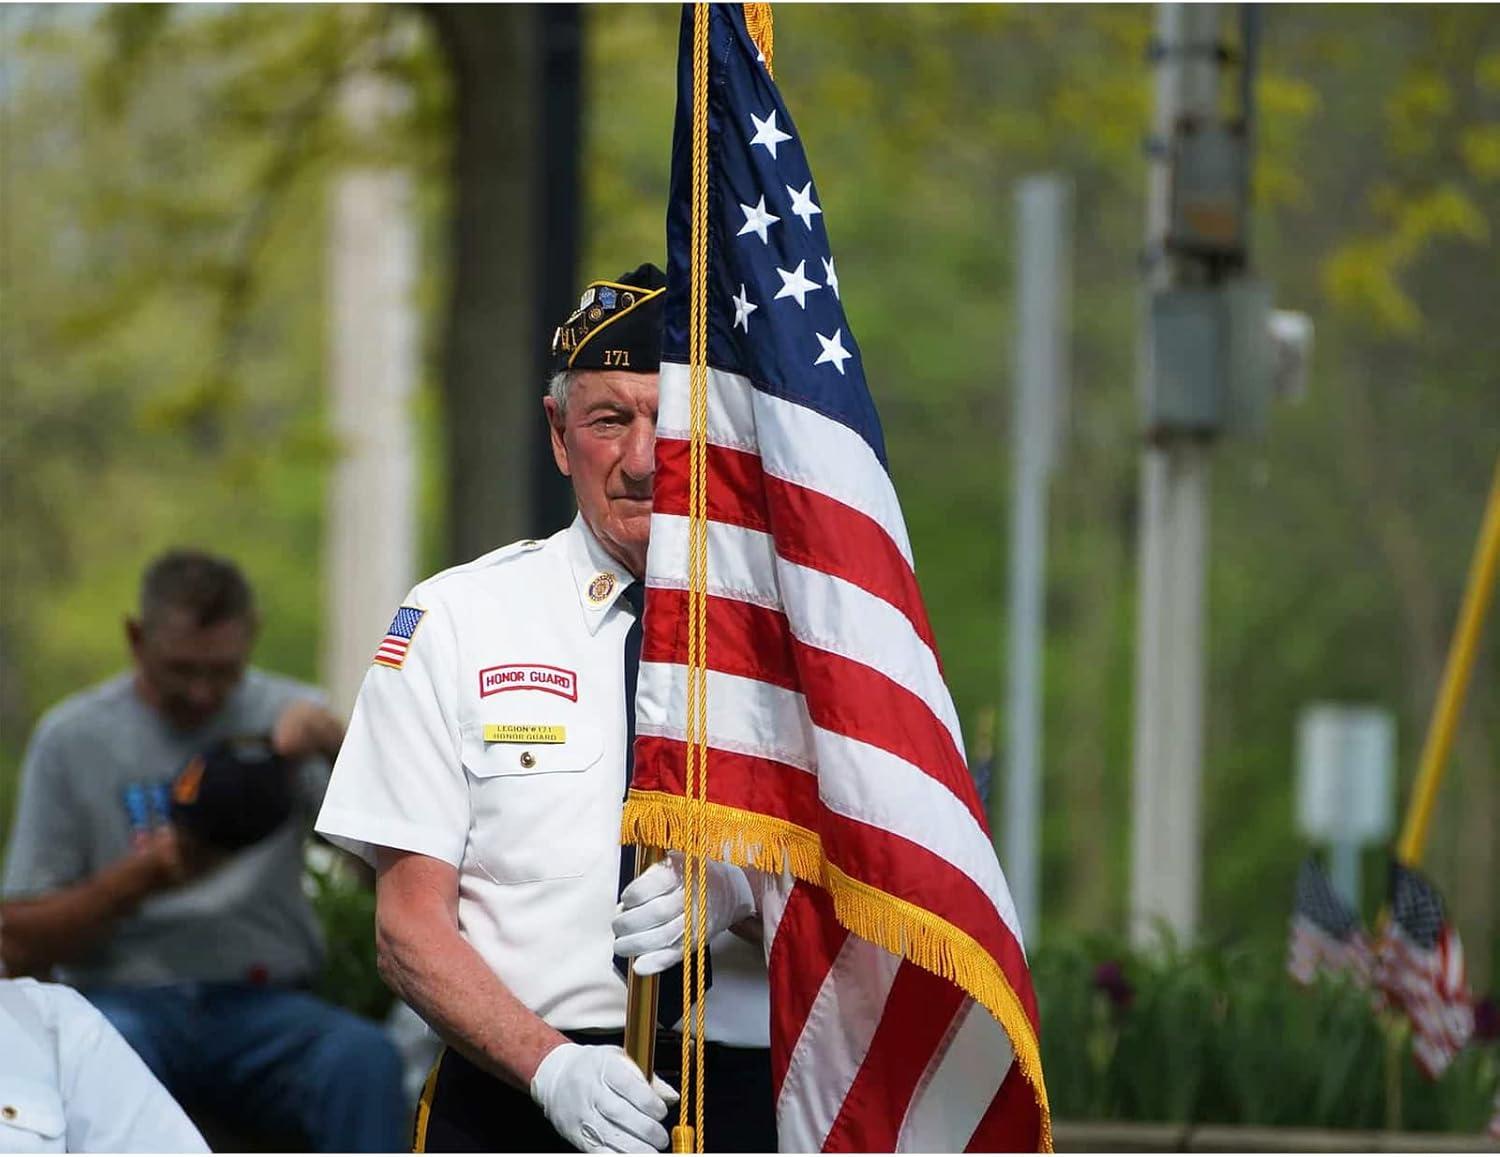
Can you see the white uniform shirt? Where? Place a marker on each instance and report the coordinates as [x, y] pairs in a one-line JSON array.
[[494, 740], [69, 1083]]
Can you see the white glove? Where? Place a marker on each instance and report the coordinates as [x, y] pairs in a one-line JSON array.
[[649, 921], [598, 1101]]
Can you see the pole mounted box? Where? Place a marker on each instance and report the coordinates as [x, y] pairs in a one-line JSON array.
[[1211, 359], [1208, 200]]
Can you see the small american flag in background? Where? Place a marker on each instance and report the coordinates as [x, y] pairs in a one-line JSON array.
[[1421, 970], [902, 1010], [392, 650], [1325, 931]]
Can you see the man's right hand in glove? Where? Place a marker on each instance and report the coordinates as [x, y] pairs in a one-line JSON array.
[[599, 1102]]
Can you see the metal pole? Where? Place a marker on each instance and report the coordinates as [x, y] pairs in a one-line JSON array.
[[1165, 865], [1042, 210], [371, 529]]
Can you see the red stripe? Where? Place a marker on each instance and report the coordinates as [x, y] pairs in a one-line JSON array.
[[809, 527], [912, 873], [1013, 1122], [914, 1024], [842, 695], [807, 941], [743, 639], [749, 782]]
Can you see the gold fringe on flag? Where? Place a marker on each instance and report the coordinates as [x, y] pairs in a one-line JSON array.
[[750, 840], [758, 21]]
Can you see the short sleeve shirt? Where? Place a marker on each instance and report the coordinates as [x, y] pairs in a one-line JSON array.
[[490, 734], [95, 781]]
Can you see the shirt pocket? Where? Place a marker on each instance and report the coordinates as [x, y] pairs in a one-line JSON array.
[[31, 1116], [529, 800]]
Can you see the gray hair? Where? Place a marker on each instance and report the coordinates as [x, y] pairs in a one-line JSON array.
[[558, 388]]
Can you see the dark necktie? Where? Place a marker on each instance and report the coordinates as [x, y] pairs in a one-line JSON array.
[[669, 991]]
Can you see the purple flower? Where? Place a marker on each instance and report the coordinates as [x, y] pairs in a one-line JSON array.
[[1110, 979], [1486, 1019]]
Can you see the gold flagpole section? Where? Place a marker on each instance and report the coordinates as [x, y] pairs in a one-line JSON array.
[[1456, 672], [640, 993]]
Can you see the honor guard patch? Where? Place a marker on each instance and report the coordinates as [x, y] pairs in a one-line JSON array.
[[602, 587], [392, 650], [528, 677]]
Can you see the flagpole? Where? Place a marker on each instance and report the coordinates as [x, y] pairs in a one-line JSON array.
[[641, 991], [1455, 685]]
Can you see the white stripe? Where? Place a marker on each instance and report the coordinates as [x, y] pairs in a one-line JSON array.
[[823, 611], [795, 443], [741, 563], [834, 1041], [869, 784], [827, 612], [855, 779], [950, 1103], [744, 715]]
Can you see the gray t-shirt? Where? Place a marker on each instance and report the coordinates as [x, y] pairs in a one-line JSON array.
[[95, 777]]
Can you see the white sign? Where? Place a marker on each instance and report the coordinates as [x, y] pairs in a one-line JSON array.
[[1346, 758]]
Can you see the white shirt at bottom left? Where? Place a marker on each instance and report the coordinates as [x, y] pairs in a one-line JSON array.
[[69, 1082]]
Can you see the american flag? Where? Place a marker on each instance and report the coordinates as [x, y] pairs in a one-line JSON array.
[[392, 650], [1421, 970], [1326, 933], [903, 1016]]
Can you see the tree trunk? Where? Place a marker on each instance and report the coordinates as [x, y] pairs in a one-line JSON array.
[[488, 386]]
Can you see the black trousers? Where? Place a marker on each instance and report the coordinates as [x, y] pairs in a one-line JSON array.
[[466, 1110]]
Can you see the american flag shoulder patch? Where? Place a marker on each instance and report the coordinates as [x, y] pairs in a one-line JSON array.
[[392, 650]]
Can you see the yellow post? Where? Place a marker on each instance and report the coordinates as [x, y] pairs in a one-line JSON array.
[[1460, 665]]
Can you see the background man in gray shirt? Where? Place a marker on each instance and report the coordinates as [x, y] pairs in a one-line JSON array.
[[200, 959]]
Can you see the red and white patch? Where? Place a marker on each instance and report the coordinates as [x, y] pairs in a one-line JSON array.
[[529, 677]]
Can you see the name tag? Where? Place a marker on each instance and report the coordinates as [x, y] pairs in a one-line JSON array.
[[525, 733]]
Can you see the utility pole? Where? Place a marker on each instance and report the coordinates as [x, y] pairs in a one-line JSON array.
[[371, 529], [1043, 205], [1174, 492]]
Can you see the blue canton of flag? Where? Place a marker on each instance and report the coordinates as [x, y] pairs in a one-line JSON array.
[[774, 311], [392, 650]]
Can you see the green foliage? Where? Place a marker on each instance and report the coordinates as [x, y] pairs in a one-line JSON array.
[[346, 908], [1224, 1037], [162, 278]]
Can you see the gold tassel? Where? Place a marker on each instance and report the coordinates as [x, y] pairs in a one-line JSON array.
[[758, 21]]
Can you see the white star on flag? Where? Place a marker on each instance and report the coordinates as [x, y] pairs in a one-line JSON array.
[[802, 204], [743, 308], [833, 350], [831, 277], [756, 220], [795, 284], [766, 133]]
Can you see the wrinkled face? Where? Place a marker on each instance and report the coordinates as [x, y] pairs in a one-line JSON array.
[[605, 442], [185, 671]]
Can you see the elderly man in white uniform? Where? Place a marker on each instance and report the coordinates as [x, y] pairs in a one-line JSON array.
[[484, 773]]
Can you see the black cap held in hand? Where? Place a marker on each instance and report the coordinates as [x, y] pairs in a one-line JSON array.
[[617, 325], [235, 794]]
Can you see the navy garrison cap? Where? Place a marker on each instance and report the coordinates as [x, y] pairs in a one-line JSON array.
[[617, 325]]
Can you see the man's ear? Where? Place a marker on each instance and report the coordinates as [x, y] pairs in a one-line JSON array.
[[556, 424], [134, 634]]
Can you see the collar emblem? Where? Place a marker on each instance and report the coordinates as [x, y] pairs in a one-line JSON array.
[[601, 588]]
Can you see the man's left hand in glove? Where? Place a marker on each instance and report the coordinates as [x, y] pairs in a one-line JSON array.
[[649, 922]]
